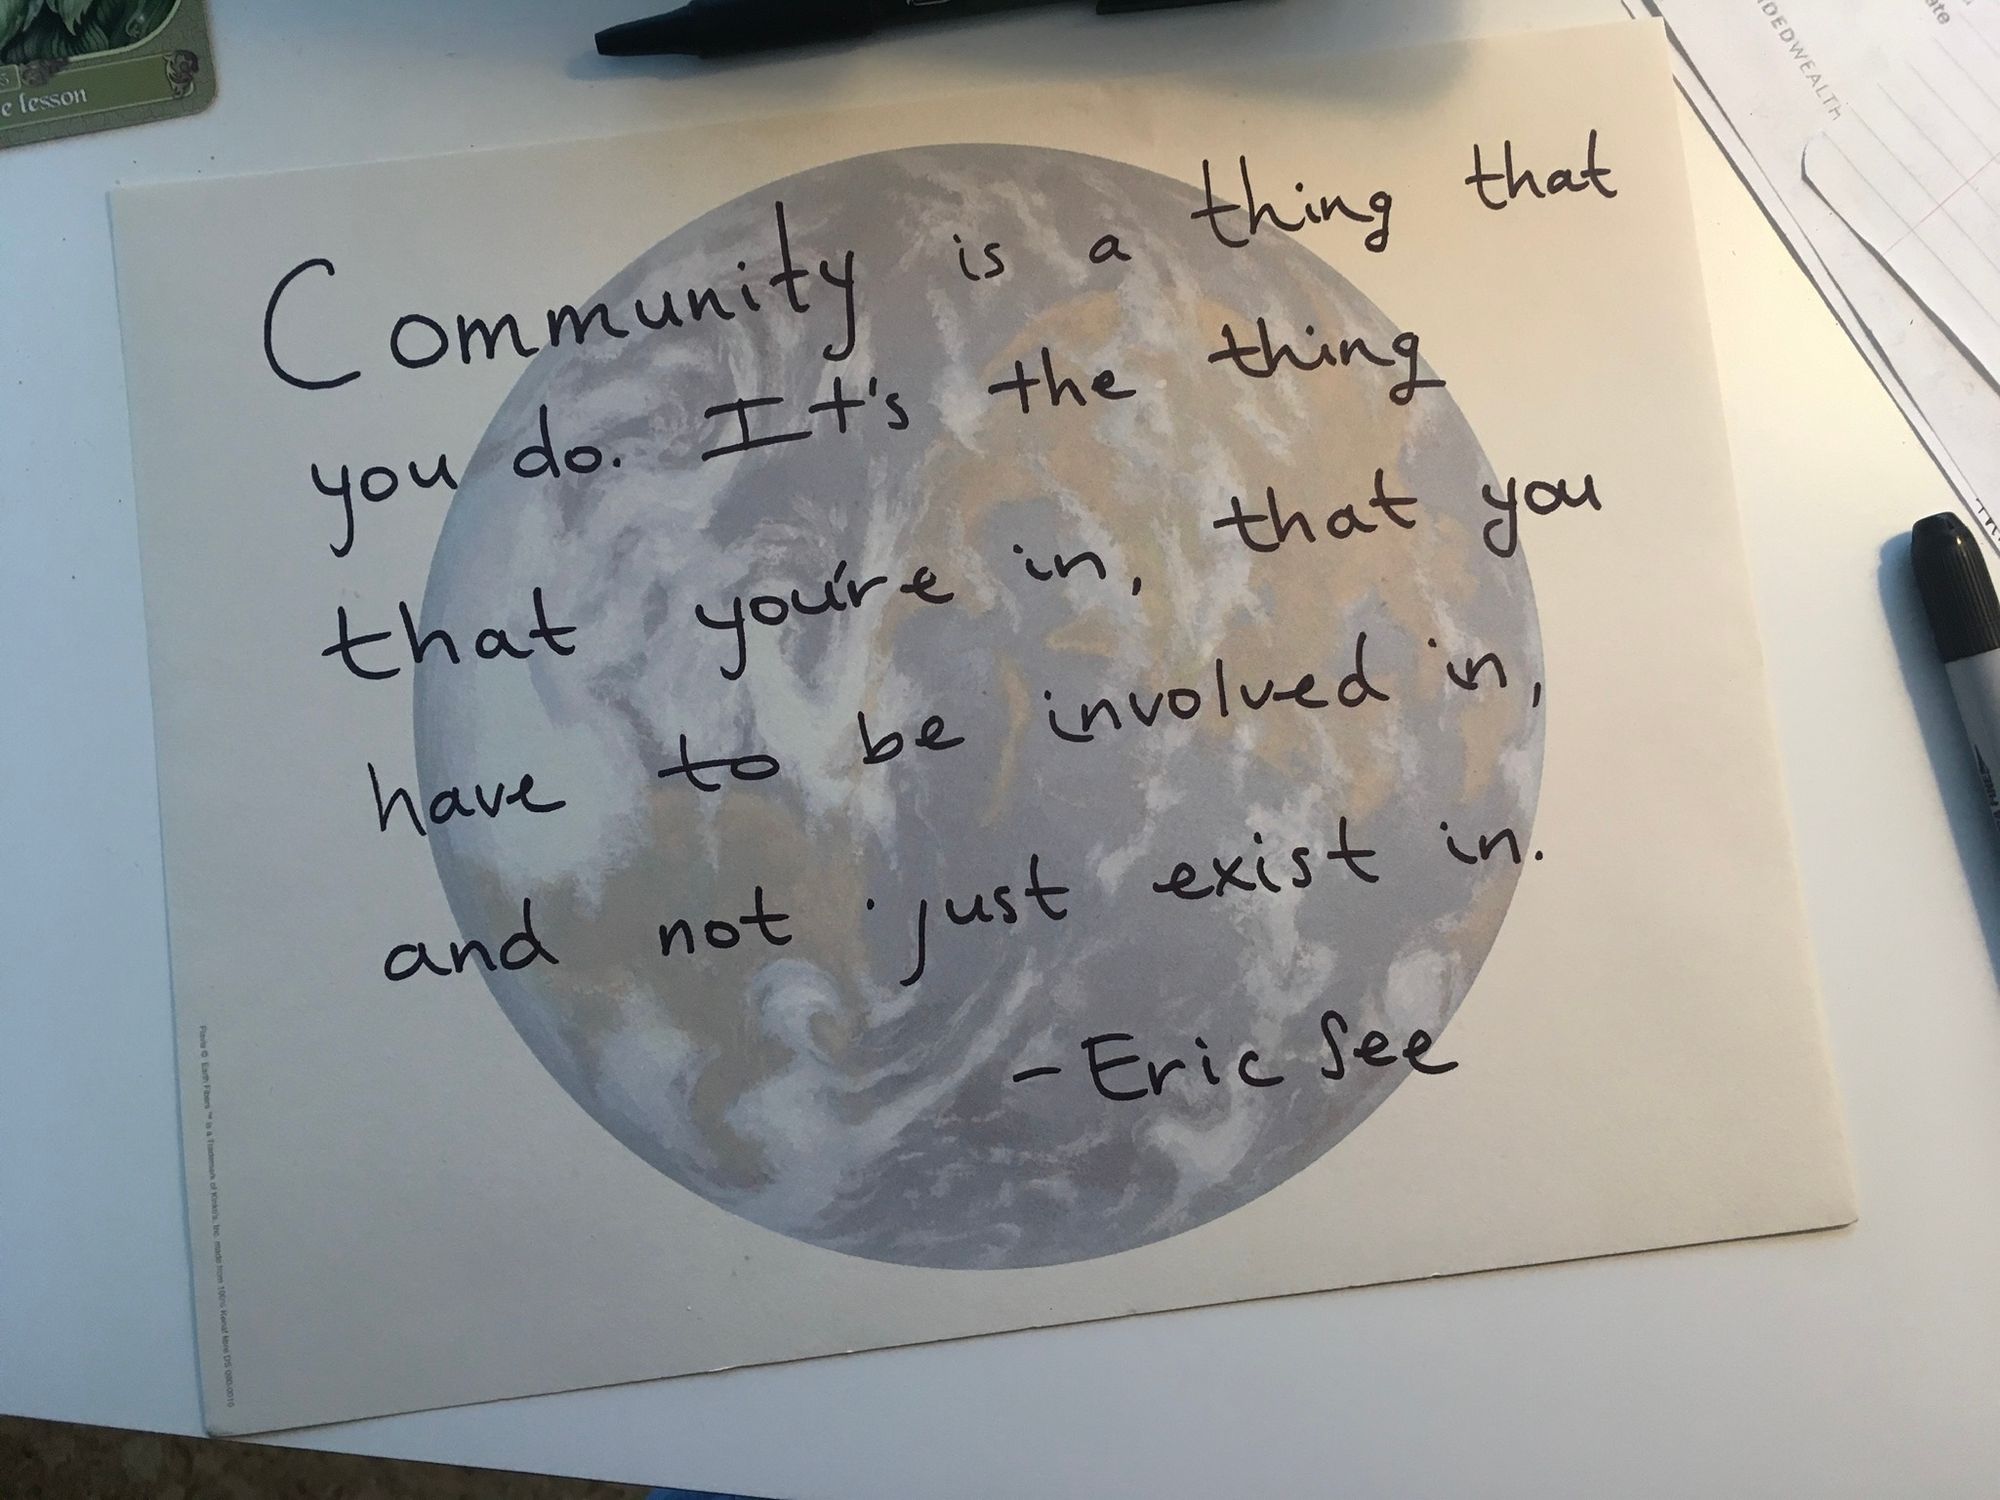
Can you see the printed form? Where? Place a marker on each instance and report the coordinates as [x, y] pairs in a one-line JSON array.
[[1871, 136]]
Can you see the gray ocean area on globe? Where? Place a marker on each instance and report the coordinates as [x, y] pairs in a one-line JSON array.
[[802, 1086]]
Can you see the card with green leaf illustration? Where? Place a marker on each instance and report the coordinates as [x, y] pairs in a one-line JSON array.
[[68, 67]]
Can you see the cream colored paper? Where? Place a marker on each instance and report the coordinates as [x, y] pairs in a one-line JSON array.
[[397, 1198]]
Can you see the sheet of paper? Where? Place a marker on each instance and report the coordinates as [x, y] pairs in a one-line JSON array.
[[1768, 81], [857, 729], [1807, 252], [1913, 167]]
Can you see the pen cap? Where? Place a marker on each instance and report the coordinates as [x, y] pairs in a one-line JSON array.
[[727, 28], [1127, 7], [1956, 588]]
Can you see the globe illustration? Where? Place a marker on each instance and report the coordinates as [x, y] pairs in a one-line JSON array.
[[738, 992]]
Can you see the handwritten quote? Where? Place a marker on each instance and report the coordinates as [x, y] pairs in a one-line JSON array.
[[957, 669]]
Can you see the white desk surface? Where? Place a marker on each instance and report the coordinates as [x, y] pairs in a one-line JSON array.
[[1864, 1362]]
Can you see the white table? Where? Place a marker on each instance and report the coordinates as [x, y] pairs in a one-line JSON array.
[[1860, 1363]]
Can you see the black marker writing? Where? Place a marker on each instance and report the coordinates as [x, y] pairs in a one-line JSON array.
[[1265, 358], [489, 644]]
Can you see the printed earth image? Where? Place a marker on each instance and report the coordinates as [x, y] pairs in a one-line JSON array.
[[792, 1056]]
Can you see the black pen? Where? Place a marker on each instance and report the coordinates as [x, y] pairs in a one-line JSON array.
[[726, 28], [1965, 622]]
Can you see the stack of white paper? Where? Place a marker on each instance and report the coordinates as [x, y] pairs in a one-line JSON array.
[[1870, 135]]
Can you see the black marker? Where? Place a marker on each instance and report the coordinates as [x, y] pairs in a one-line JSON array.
[[726, 28], [1965, 620]]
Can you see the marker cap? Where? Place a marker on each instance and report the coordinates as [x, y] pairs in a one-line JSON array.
[[1956, 588]]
